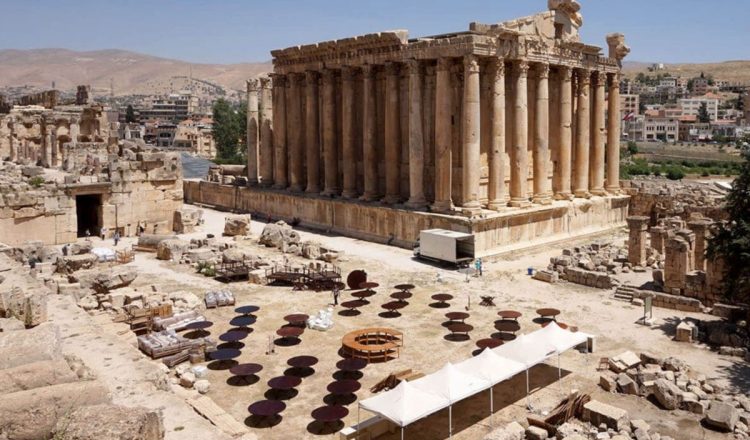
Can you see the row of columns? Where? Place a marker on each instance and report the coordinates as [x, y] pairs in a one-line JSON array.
[[581, 149]]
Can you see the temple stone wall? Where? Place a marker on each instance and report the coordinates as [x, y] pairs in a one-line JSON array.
[[401, 227]]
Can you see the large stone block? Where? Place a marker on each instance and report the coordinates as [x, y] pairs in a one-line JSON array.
[[98, 422], [74, 263], [35, 375], [667, 394], [171, 249], [29, 307], [235, 225], [597, 413], [722, 416]]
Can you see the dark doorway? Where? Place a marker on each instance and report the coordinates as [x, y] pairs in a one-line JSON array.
[[88, 210]]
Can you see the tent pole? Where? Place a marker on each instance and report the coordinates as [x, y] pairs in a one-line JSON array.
[[402, 433], [450, 421], [528, 402], [358, 408], [559, 374]]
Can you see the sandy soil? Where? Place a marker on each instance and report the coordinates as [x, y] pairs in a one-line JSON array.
[[593, 311]]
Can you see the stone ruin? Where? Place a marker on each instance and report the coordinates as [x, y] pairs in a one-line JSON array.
[[662, 198], [593, 265]]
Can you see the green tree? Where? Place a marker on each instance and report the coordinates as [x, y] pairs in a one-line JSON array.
[[228, 129], [130, 115], [730, 240], [632, 148], [703, 116]]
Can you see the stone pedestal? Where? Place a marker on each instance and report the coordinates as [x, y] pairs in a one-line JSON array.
[[638, 228]]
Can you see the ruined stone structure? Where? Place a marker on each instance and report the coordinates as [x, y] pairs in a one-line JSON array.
[[493, 131]]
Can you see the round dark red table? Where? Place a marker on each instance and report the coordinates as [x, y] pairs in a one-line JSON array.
[[442, 299], [284, 382], [296, 319], [246, 310], [225, 354], [489, 343], [362, 294], [243, 320], [302, 361], [401, 296], [351, 364], [393, 307], [549, 313], [509, 314], [329, 413], [199, 327], [246, 370], [353, 305], [233, 336], [369, 285], [457, 316], [266, 408], [460, 327], [404, 287], [345, 386], [507, 326], [290, 332]]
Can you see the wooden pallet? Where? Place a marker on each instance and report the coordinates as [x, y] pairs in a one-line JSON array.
[[206, 407]]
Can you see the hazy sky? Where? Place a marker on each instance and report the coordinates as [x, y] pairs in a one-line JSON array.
[[233, 31]]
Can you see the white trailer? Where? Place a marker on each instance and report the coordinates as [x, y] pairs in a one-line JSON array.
[[444, 246]]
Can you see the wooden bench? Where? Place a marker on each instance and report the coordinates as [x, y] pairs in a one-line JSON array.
[[373, 343]]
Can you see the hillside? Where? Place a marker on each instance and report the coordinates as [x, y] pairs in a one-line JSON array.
[[132, 73], [734, 71]]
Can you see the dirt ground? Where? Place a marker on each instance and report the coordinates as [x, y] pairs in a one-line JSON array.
[[426, 349]]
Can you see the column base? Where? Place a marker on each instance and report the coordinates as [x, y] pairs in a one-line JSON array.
[[253, 183], [542, 199], [497, 205], [563, 196], [279, 186], [349, 194], [313, 190], [418, 203], [369, 197], [391, 199], [295, 188], [442, 206], [582, 194], [599, 192], [330, 193], [519, 203], [616, 190]]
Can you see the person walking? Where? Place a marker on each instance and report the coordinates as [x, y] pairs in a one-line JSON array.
[[104, 233], [116, 237], [478, 266], [336, 292], [65, 249]]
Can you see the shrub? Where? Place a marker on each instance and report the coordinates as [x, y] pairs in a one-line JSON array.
[[632, 148], [36, 181], [675, 173]]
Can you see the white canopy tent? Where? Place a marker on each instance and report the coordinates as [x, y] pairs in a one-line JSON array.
[[563, 340], [453, 385], [492, 368], [404, 404], [527, 351]]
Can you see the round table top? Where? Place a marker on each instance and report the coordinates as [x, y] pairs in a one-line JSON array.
[[355, 278], [302, 361], [489, 343], [404, 286], [329, 413], [199, 325], [394, 305], [351, 364], [509, 314], [243, 320], [363, 294], [354, 304], [290, 332], [225, 354], [296, 317], [345, 386], [284, 382], [401, 295], [246, 310], [368, 285], [547, 312], [246, 369], [460, 327], [442, 297], [457, 316], [507, 326], [233, 336], [266, 408]]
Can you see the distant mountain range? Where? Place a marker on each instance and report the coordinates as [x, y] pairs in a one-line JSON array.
[[129, 72], [734, 71]]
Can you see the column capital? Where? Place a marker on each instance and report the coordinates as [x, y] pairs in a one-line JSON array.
[[598, 77], [584, 77], [392, 68], [347, 73], [496, 66], [543, 70], [328, 75], [444, 64], [523, 68], [566, 73], [252, 85], [614, 80], [312, 76], [471, 63], [368, 70], [414, 65], [295, 78], [279, 79], [265, 82]]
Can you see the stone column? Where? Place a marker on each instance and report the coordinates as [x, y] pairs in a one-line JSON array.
[[329, 135], [519, 158], [369, 126], [349, 161], [296, 135], [496, 190], [678, 261], [637, 229], [658, 238], [12, 143], [392, 135], [471, 128], [443, 135], [312, 133], [613, 135], [542, 190], [253, 132], [279, 132], [699, 227], [565, 143], [416, 138], [596, 167], [266, 132], [583, 136]]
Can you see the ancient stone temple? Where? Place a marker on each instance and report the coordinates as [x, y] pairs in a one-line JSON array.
[[501, 130]]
